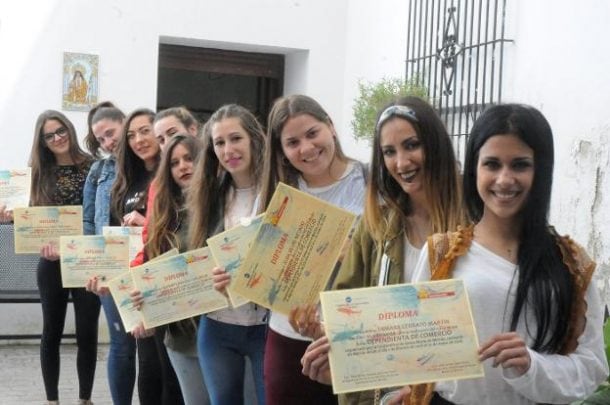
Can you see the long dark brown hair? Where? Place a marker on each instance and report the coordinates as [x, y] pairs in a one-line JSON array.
[[169, 199], [211, 182], [130, 168], [44, 162], [441, 177]]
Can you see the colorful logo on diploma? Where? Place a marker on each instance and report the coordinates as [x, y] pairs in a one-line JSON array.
[[429, 293], [66, 211], [277, 215]]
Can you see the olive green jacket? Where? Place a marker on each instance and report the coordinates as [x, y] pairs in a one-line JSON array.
[[361, 268]]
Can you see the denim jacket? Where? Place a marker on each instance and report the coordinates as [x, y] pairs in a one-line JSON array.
[[96, 196]]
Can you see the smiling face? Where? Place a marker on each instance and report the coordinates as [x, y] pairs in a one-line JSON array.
[[232, 148], [309, 145], [142, 141], [169, 126], [403, 156], [505, 173], [56, 138], [108, 133], [181, 166]]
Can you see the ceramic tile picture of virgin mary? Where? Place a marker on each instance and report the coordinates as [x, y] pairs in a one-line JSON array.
[[79, 90]]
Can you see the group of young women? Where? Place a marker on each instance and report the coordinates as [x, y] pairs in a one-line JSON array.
[[537, 313]]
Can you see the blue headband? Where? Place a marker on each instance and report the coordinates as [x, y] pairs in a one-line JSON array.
[[399, 110]]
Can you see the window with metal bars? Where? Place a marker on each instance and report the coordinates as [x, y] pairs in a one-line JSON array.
[[455, 48]]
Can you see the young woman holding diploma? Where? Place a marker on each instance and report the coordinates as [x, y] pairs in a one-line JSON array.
[[59, 169], [167, 230], [224, 190], [106, 131], [538, 317], [414, 191], [304, 152]]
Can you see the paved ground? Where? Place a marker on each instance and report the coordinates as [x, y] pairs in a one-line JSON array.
[[21, 379]]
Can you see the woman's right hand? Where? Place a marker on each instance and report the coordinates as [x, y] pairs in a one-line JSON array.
[[93, 285], [6, 216], [133, 218], [50, 252], [221, 280]]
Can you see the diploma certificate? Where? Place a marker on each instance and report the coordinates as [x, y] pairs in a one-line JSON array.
[[400, 334], [294, 251], [15, 188], [83, 257], [229, 249], [39, 226], [135, 237], [121, 286], [177, 288]]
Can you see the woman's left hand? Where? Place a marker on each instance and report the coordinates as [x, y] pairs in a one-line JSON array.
[[305, 320], [508, 350], [137, 299], [140, 332], [315, 361]]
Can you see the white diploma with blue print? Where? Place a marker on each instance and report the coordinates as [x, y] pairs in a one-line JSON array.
[[83, 257], [230, 248], [121, 287], [36, 227], [15, 187], [294, 251], [177, 288], [400, 334], [136, 243]]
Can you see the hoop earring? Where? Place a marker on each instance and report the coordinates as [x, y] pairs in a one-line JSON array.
[[285, 161]]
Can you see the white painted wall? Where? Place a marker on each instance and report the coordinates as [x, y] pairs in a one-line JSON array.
[[126, 35], [376, 48], [559, 63]]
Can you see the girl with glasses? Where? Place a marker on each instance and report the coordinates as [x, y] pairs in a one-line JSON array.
[[59, 169]]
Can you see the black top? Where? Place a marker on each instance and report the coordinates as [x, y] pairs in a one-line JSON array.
[[135, 198], [70, 184]]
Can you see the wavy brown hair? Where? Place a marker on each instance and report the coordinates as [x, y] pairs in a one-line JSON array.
[[129, 167], [169, 199], [211, 183], [43, 161], [441, 177]]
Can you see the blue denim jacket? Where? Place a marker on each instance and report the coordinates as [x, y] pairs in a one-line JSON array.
[[96, 196]]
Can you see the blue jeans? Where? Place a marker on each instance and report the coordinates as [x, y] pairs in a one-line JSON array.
[[223, 348], [190, 378], [121, 357]]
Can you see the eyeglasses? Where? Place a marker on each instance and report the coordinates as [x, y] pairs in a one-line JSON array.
[[61, 132]]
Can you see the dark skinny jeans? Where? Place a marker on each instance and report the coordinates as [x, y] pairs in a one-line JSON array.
[[54, 300]]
